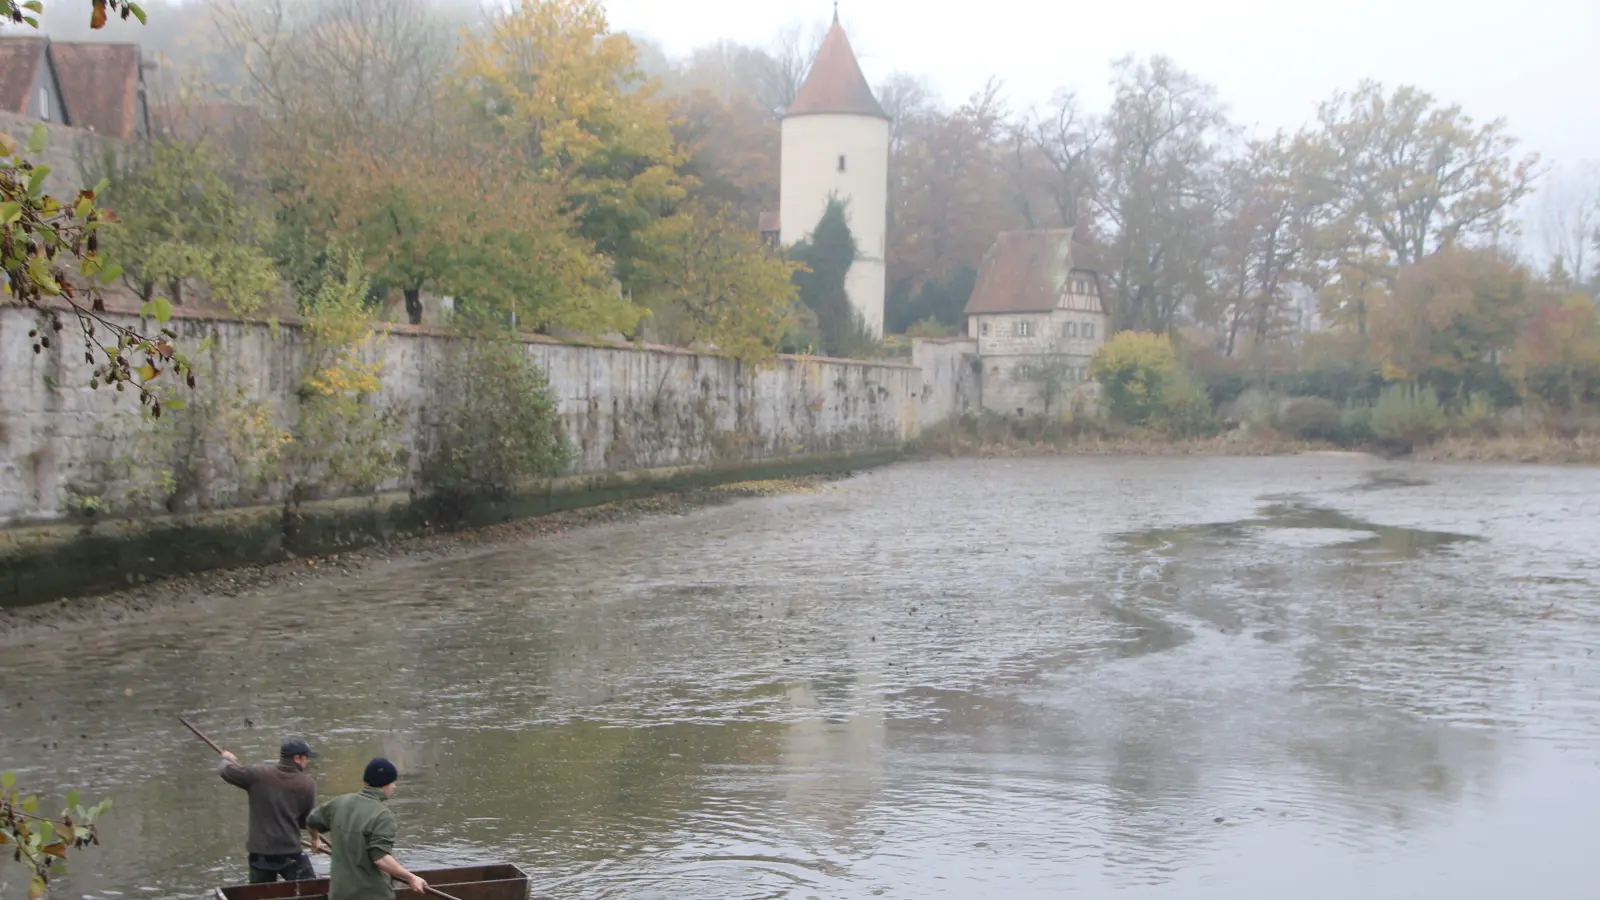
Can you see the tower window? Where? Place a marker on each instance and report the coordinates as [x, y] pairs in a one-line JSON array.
[[841, 162]]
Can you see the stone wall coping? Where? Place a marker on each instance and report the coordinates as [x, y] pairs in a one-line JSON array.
[[199, 314]]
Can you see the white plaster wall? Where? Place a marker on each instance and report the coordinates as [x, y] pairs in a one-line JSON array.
[[623, 408], [1006, 390], [811, 147], [950, 373], [1049, 332]]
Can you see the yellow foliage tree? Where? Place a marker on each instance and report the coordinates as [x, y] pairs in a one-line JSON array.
[[1556, 360], [1134, 369], [1449, 317], [549, 81], [711, 282]]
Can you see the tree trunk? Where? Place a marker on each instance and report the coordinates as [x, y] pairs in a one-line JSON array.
[[414, 305]]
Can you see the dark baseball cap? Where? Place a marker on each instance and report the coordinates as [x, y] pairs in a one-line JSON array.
[[296, 747]]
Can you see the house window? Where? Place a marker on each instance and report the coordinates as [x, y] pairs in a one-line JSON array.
[[841, 162], [1079, 286], [983, 329], [1088, 329], [1070, 330], [1024, 328], [44, 103]]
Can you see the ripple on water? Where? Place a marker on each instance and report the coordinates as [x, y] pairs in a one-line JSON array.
[[1024, 678]]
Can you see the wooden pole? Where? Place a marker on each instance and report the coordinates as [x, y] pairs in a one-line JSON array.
[[209, 742]]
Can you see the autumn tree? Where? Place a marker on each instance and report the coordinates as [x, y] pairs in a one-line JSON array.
[[906, 99], [182, 223], [1263, 221], [1450, 318], [710, 282], [949, 200], [1157, 196], [1568, 224], [1556, 360], [348, 89], [1052, 163], [731, 145], [1407, 177], [550, 84], [340, 72], [788, 62]]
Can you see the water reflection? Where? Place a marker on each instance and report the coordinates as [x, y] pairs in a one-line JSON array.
[[1091, 675]]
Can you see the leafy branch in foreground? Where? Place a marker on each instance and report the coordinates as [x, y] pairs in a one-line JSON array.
[[41, 842], [100, 11], [50, 253]]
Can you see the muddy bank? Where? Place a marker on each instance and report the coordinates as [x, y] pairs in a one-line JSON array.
[[203, 591], [1581, 450], [954, 443], [953, 446]]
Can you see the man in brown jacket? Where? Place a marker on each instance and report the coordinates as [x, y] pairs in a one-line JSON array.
[[281, 796]]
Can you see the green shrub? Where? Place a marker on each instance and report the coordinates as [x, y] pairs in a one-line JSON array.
[[500, 427], [1310, 419], [1187, 408], [1133, 369], [1408, 416], [1475, 415], [1355, 423]]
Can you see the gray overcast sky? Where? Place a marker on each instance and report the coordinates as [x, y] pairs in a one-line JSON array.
[[1535, 62]]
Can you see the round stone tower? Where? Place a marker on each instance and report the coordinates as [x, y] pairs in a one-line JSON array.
[[836, 144]]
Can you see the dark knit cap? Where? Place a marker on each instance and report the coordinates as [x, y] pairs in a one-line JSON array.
[[380, 772]]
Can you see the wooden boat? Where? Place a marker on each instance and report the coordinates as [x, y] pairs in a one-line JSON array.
[[500, 881]]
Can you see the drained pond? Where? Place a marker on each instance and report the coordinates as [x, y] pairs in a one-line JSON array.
[[1318, 677]]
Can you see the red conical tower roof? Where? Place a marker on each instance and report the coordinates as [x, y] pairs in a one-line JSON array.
[[835, 84]]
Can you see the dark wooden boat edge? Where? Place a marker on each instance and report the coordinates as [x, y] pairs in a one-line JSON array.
[[491, 881]]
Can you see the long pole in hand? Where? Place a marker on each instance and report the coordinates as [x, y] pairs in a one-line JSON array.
[[209, 742], [435, 892], [431, 889]]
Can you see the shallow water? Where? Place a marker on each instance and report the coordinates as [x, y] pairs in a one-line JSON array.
[[1313, 677]]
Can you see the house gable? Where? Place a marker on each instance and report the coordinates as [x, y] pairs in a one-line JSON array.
[[104, 87], [46, 101], [19, 73]]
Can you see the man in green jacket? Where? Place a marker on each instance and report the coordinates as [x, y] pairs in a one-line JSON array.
[[363, 830]]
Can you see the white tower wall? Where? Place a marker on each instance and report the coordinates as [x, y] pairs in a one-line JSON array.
[[810, 174]]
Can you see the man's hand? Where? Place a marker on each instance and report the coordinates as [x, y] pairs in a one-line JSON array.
[[229, 757], [318, 845], [417, 884]]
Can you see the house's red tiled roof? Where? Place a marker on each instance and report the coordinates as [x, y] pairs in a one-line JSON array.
[[1024, 272], [200, 120], [768, 222], [101, 84], [19, 63], [835, 83]]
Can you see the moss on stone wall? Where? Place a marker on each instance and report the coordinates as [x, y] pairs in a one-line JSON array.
[[50, 562]]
